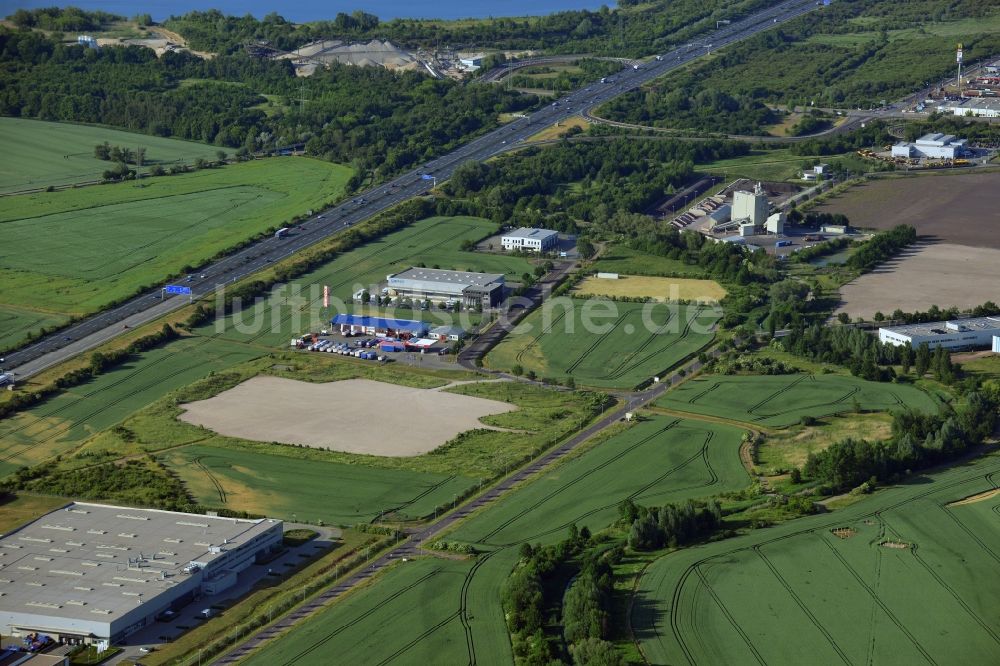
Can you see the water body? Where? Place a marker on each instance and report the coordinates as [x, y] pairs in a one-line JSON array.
[[312, 10]]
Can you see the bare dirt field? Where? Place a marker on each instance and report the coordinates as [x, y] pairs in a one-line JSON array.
[[927, 274], [355, 415], [958, 208], [657, 288]]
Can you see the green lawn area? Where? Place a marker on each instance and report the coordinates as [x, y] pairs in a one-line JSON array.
[[777, 165], [308, 490], [17, 322], [418, 610], [625, 260], [781, 400], [20, 509], [605, 344], [433, 242], [797, 593], [74, 251], [958, 29], [39, 153]]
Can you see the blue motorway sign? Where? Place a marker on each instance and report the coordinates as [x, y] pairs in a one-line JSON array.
[[178, 289], [426, 176]]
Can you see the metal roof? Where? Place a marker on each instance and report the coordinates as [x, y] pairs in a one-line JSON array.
[[448, 277], [378, 322], [532, 233], [932, 328]]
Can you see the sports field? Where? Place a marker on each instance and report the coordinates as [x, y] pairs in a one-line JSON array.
[[657, 288], [434, 241], [781, 400], [39, 153], [335, 493], [603, 343], [433, 611], [62, 423], [898, 578], [74, 251]]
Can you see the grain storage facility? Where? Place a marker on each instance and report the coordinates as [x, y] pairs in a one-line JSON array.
[[957, 334], [91, 572]]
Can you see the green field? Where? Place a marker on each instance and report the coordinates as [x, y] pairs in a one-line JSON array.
[[64, 422], [38, 153], [308, 490], [625, 343], [16, 323], [625, 260], [798, 593], [434, 241], [432, 611], [74, 251], [781, 400]]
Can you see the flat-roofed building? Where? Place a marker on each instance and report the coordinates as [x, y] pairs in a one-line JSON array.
[[532, 240], [471, 289], [91, 572], [956, 334]]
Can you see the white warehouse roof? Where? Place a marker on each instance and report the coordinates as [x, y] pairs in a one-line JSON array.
[[528, 232], [443, 277]]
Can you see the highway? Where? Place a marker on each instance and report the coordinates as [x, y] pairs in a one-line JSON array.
[[103, 326]]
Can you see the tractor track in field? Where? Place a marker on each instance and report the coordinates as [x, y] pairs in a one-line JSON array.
[[415, 498], [677, 631], [839, 401], [599, 339], [315, 645], [652, 355], [535, 340], [211, 477], [463, 612], [802, 605], [617, 371]]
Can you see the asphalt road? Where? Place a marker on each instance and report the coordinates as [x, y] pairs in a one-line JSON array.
[[104, 326]]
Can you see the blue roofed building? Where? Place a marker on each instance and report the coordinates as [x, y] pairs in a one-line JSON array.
[[350, 324]]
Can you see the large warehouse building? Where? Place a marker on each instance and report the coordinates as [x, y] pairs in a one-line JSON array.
[[483, 290], [533, 240], [981, 107], [935, 146], [957, 334], [92, 572]]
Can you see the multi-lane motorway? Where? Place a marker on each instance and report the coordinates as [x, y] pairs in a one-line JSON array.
[[146, 307]]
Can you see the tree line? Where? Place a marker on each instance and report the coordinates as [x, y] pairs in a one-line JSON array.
[[918, 441]]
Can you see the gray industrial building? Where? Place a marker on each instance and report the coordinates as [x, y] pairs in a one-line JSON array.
[[981, 107], [92, 572], [471, 289], [534, 240], [957, 334], [934, 146]]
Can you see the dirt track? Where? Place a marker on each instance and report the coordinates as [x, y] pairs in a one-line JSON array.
[[960, 208], [939, 274], [355, 416]]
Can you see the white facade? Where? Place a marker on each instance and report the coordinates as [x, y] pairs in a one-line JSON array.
[[934, 146], [751, 206], [533, 240], [981, 107], [776, 223], [996, 344], [958, 334]]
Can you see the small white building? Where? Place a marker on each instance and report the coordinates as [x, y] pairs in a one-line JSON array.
[[532, 240], [996, 344], [979, 332], [776, 223], [833, 229], [934, 146], [471, 62]]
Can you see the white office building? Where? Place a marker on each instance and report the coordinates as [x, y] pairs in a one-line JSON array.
[[93, 572], [958, 334], [530, 240]]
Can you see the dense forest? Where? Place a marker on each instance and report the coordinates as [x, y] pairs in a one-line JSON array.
[[830, 58], [400, 120], [633, 31]]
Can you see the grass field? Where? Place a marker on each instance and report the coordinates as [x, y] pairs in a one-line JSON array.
[[308, 490], [558, 129], [906, 580], [20, 509], [777, 165], [657, 288], [439, 611], [38, 153], [64, 422], [434, 241], [16, 322], [74, 251], [632, 342], [624, 260], [781, 400]]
